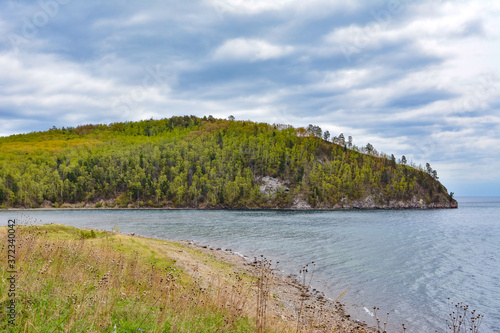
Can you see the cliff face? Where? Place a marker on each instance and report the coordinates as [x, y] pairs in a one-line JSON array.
[[272, 186], [414, 203], [190, 162]]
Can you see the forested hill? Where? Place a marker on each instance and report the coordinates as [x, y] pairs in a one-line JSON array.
[[190, 162]]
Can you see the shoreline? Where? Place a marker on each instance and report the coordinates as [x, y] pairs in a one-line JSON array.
[[288, 302], [220, 275], [287, 290], [230, 209]]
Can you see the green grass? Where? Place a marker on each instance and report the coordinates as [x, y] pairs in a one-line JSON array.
[[72, 284]]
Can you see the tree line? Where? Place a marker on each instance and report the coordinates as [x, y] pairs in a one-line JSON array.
[[201, 163]]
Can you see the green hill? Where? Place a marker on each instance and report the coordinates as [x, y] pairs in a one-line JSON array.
[[190, 162]]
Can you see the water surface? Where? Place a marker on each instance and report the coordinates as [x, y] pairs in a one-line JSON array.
[[406, 262]]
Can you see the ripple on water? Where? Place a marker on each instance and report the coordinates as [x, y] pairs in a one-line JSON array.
[[405, 262]]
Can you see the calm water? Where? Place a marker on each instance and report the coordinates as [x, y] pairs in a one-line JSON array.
[[405, 262]]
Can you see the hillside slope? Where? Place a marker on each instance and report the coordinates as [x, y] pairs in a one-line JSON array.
[[190, 162]]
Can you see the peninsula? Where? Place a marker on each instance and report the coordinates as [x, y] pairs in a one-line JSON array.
[[208, 163]]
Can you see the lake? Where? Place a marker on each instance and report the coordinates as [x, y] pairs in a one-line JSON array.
[[406, 262]]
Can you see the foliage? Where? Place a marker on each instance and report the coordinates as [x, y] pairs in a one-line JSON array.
[[200, 163], [87, 234]]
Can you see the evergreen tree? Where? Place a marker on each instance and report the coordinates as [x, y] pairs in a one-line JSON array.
[[197, 162]]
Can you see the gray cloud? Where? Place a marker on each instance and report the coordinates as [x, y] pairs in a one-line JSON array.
[[420, 79]]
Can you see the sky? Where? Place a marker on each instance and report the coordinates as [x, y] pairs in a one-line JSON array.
[[413, 78]]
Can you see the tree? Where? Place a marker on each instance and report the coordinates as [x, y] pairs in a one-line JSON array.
[[197, 160], [435, 175], [369, 148], [341, 139], [326, 136], [314, 130], [230, 118], [403, 160], [428, 168], [317, 131]]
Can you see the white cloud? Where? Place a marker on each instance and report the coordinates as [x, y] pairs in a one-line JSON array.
[[134, 19], [47, 87], [315, 8], [250, 50], [43, 77], [249, 6], [438, 30]]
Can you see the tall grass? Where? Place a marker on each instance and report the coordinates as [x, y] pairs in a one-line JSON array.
[[459, 319], [71, 283], [462, 318], [264, 283]]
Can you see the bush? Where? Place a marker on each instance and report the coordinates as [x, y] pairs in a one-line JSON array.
[[123, 200], [86, 234]]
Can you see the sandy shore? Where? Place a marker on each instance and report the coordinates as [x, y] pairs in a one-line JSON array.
[[319, 313]]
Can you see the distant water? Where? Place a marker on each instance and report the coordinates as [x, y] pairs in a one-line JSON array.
[[405, 262]]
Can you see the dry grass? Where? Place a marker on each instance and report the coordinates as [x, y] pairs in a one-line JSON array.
[[68, 283], [463, 319], [74, 280], [264, 282]]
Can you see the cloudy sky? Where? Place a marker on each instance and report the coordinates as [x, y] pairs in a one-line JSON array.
[[419, 78]]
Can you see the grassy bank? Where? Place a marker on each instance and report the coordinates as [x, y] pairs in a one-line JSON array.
[[74, 280], [81, 281]]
